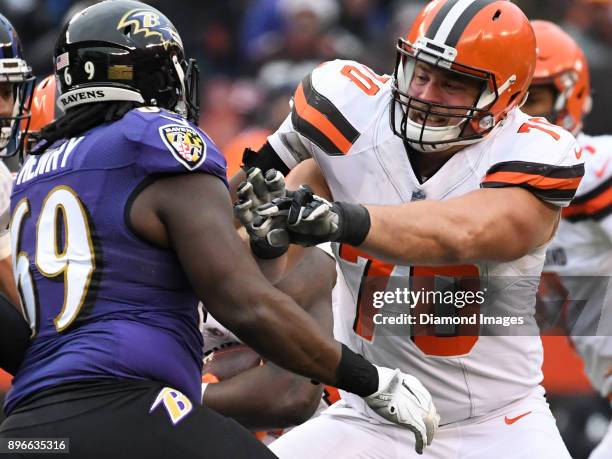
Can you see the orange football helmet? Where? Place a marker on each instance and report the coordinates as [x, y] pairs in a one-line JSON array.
[[489, 41], [561, 63], [44, 109]]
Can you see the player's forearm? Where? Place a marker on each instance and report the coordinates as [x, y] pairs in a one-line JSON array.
[[417, 233], [264, 398], [434, 232], [277, 268], [278, 329], [7, 281]]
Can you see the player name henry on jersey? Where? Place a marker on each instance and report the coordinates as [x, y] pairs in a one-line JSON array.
[[48, 162]]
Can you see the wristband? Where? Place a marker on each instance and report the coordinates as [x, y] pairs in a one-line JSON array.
[[262, 249], [355, 220], [355, 374]]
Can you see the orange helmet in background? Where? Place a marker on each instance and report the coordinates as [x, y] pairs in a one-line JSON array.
[[44, 109], [561, 63], [491, 42]]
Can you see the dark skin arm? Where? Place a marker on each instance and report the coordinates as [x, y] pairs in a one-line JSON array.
[[7, 281], [268, 397], [192, 214], [235, 181]]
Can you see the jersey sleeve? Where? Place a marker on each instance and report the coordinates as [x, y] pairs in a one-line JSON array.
[[171, 145], [330, 108], [538, 157], [593, 205], [593, 199]]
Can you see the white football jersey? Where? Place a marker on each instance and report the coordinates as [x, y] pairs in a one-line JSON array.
[[216, 336], [583, 244], [581, 254], [6, 185], [341, 117]]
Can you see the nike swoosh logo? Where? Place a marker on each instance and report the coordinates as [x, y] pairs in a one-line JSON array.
[[511, 421], [578, 152], [601, 171]]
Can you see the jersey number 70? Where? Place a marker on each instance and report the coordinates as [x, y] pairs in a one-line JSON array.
[[375, 277]]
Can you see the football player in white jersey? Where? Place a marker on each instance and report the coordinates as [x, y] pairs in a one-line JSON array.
[[579, 259], [451, 172], [16, 82]]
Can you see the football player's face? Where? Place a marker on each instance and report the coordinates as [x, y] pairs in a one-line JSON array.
[[441, 87], [7, 99], [540, 102]]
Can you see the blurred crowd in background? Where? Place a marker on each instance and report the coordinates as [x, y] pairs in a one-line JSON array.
[[253, 53]]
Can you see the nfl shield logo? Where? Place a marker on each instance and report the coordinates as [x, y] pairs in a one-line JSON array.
[[185, 143], [418, 195]]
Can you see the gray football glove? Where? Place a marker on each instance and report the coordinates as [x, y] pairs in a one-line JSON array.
[[255, 192]]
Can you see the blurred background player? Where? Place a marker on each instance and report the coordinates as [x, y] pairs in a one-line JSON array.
[[44, 109], [16, 82], [459, 183], [578, 269], [109, 185]]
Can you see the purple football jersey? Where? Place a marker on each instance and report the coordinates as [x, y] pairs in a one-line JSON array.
[[104, 303]]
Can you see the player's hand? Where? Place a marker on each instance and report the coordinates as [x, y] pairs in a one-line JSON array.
[[267, 235], [312, 220], [257, 191], [403, 400]]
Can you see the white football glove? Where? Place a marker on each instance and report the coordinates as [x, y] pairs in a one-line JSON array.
[[403, 400]]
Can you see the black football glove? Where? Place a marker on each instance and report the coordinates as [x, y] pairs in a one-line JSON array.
[[312, 220]]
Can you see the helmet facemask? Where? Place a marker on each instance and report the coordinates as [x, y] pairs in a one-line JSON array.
[[188, 103], [466, 124], [564, 86], [13, 127]]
